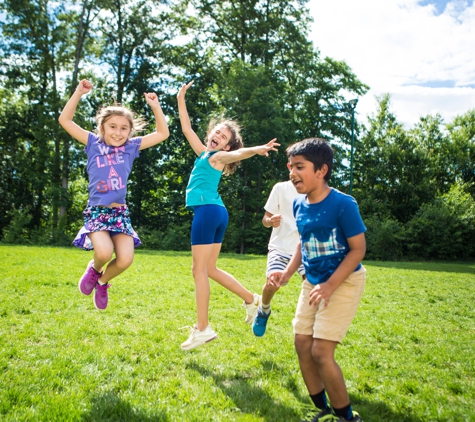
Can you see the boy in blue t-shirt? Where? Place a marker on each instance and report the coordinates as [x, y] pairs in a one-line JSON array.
[[332, 245]]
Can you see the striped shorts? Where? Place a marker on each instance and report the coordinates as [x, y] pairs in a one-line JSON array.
[[278, 262]]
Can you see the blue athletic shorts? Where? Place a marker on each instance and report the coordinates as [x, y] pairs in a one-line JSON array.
[[209, 224]]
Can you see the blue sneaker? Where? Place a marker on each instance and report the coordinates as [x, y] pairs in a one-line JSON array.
[[260, 323]]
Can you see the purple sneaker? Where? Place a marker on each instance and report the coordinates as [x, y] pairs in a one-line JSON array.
[[100, 296], [89, 279]]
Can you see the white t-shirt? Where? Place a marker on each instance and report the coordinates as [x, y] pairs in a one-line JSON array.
[[285, 237]]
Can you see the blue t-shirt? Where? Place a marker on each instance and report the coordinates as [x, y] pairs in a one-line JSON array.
[[108, 169], [324, 228], [202, 187]]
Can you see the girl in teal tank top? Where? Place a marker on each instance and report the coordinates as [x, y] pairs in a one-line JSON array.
[[221, 153]]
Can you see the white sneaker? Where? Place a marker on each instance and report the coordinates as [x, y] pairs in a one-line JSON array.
[[251, 308], [198, 338]]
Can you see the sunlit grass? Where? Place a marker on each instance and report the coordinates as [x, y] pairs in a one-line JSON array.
[[409, 355]]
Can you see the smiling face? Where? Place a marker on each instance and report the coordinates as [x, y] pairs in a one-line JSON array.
[[304, 177], [218, 138], [115, 130]]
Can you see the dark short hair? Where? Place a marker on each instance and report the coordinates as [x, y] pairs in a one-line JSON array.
[[316, 150]]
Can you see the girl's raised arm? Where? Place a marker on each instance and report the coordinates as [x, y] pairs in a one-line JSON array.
[[66, 117], [162, 131], [225, 157], [189, 133]]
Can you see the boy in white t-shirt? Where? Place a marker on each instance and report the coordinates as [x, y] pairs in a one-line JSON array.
[[282, 244]]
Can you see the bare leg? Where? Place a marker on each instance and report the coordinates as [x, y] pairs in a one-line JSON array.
[[308, 366], [268, 292], [103, 248], [124, 256], [225, 279], [201, 258], [323, 352]]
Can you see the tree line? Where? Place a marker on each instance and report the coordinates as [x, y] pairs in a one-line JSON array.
[[250, 60]]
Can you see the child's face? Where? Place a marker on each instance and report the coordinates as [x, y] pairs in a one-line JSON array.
[[218, 138], [303, 174], [115, 131]]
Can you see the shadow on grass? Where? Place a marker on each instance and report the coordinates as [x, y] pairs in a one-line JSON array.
[[376, 411], [109, 407], [292, 386], [448, 267], [247, 398]]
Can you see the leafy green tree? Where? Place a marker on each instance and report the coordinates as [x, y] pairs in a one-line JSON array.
[[274, 82], [462, 135], [35, 38], [443, 229], [81, 35], [392, 173], [429, 136]]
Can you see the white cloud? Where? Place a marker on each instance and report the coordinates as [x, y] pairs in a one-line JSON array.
[[424, 59]]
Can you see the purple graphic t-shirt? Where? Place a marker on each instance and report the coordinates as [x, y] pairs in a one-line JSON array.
[[108, 169]]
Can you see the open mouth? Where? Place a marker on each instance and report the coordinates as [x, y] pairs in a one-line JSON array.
[[213, 143], [297, 183]]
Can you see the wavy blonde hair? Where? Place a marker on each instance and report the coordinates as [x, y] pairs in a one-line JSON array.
[[234, 143], [137, 123]]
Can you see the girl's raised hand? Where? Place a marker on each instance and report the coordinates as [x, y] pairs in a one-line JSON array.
[[84, 86], [183, 89], [270, 146], [151, 98]]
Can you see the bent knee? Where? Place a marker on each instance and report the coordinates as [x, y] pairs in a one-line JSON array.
[[303, 344], [103, 255], [270, 288], [124, 262], [322, 355]]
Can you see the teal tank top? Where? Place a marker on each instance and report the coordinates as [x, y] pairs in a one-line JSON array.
[[202, 187]]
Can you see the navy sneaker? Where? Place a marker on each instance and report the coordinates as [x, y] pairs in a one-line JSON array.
[[356, 418], [260, 323], [325, 415]]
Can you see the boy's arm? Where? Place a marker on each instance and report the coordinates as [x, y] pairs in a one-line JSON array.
[[350, 262], [189, 133], [67, 115], [162, 131], [225, 157], [271, 220]]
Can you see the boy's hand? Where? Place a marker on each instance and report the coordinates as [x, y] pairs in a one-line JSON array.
[[276, 278], [183, 89], [275, 220], [84, 86], [270, 146], [151, 98], [320, 292]]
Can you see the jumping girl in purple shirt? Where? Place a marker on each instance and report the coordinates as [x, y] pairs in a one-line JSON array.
[[110, 154]]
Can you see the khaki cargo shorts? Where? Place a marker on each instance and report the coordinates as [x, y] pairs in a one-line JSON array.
[[330, 323]]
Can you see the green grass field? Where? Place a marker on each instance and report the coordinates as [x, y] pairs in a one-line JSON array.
[[409, 355]]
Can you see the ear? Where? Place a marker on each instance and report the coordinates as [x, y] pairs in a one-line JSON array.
[[322, 171], [226, 147], [288, 166]]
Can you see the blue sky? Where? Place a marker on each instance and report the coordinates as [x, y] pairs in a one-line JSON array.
[[419, 51], [440, 5]]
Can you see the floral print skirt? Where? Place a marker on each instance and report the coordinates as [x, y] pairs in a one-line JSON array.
[[97, 218]]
